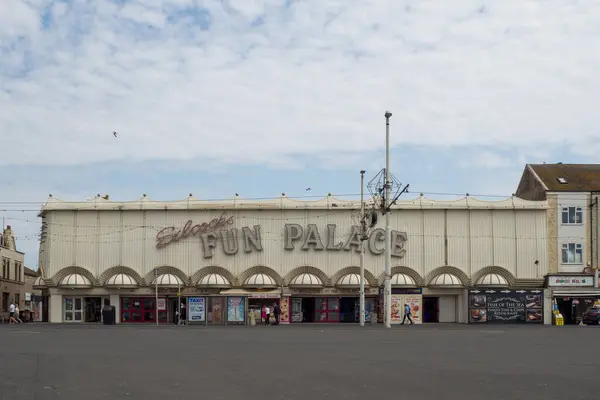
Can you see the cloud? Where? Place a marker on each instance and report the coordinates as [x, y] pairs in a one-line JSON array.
[[249, 81]]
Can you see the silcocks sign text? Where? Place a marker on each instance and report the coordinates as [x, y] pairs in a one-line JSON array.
[[220, 231]]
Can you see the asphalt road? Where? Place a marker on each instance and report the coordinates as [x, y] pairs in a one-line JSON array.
[[298, 362]]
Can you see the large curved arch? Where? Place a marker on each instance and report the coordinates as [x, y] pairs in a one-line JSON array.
[[369, 277], [121, 269], [201, 273], [407, 271], [73, 270], [260, 269], [459, 273], [166, 269], [494, 269], [307, 270]]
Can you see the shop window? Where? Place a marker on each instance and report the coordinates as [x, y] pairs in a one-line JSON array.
[[5, 266], [572, 215], [18, 269], [572, 253], [141, 309], [5, 302]]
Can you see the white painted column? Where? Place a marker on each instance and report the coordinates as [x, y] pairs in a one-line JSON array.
[[115, 300], [548, 307], [55, 308]]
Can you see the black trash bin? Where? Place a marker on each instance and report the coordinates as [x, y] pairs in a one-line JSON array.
[[108, 314]]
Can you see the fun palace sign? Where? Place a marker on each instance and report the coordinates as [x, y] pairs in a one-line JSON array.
[[220, 232]]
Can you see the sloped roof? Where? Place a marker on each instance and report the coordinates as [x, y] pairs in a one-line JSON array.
[[578, 177], [329, 202], [30, 272]]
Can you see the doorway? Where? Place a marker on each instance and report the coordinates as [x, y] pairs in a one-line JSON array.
[[93, 309], [73, 309], [431, 309], [349, 309], [308, 310]]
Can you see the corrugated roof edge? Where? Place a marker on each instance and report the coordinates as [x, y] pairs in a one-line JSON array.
[[329, 202]]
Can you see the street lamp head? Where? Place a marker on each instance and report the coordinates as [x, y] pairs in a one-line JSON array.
[[388, 114], [362, 172]]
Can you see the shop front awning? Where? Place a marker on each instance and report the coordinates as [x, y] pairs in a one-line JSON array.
[[576, 293], [265, 294]]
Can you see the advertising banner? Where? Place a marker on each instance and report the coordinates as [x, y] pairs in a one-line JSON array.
[[161, 305], [414, 302], [506, 306], [284, 306], [197, 309], [235, 309]]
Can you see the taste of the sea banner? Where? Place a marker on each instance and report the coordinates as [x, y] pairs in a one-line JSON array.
[[506, 306]]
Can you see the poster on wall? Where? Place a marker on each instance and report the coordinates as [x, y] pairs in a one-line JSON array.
[[506, 306], [284, 306], [235, 309], [297, 314], [397, 308], [161, 305], [216, 310], [414, 302], [197, 309]]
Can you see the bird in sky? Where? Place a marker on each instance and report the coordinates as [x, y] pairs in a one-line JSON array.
[[308, 189], [115, 134]]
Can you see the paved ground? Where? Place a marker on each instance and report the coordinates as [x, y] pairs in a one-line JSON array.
[[309, 362]]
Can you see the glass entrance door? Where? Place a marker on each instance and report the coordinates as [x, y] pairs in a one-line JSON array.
[[73, 309], [327, 309]]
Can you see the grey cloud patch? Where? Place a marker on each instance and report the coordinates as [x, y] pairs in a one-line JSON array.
[[183, 82]]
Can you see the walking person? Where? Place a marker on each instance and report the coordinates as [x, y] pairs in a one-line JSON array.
[[407, 314], [263, 316], [267, 315], [17, 313], [277, 312], [12, 319]]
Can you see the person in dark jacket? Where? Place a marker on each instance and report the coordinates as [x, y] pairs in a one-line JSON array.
[[276, 312]]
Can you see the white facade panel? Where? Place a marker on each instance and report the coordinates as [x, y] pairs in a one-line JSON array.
[[467, 237], [505, 245], [458, 248], [447, 308], [528, 251], [482, 242]]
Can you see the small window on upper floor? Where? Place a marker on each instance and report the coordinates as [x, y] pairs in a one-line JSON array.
[[572, 215], [572, 253], [562, 181]]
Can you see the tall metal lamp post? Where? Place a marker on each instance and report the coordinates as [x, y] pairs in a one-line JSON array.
[[388, 256], [362, 248]]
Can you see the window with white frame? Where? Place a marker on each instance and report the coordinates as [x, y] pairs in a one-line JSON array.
[[572, 253], [572, 215]]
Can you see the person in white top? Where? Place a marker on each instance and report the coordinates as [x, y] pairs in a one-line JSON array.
[[12, 314], [268, 315]]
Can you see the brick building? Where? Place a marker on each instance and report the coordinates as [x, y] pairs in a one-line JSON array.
[[572, 192], [12, 274]]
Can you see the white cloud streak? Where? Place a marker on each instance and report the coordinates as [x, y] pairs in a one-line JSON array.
[[265, 81]]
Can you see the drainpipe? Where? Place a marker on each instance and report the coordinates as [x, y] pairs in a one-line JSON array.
[[595, 203], [592, 204]]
